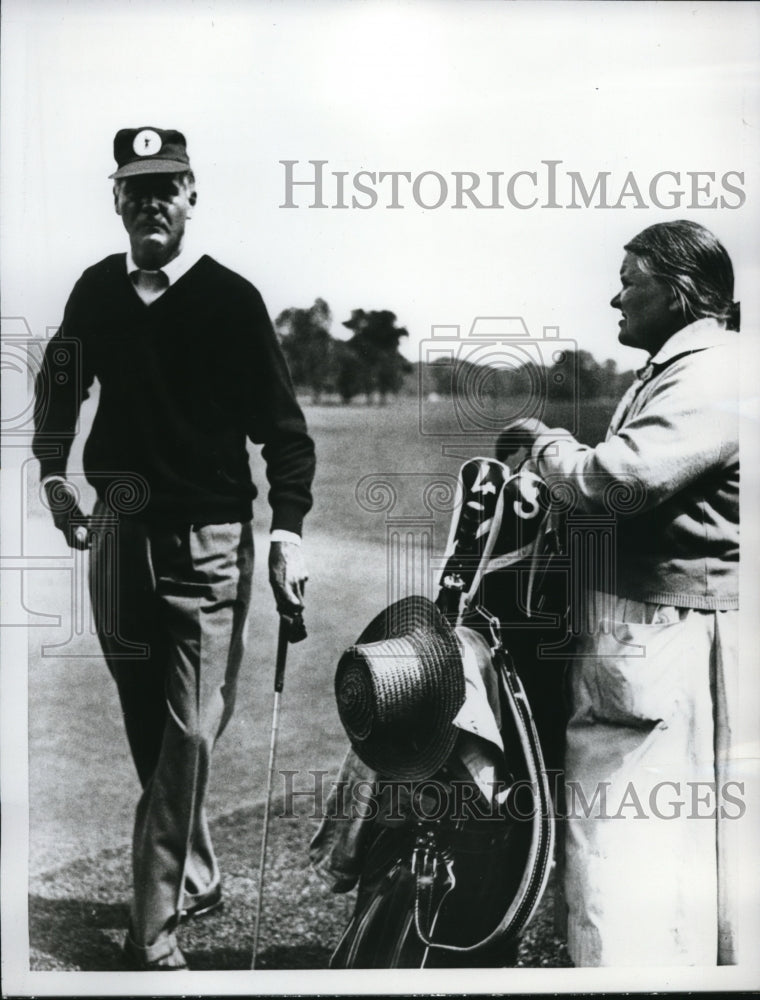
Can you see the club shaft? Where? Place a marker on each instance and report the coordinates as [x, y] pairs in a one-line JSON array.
[[279, 682], [265, 832]]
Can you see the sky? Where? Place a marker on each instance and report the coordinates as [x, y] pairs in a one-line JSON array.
[[429, 88]]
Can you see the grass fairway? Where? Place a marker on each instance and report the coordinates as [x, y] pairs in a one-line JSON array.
[[82, 786]]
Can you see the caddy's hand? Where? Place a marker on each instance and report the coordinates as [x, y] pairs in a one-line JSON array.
[[68, 517], [519, 434], [287, 575]]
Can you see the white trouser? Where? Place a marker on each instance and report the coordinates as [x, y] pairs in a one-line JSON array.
[[654, 797]]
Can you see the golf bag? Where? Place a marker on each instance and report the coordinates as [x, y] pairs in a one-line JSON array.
[[453, 882]]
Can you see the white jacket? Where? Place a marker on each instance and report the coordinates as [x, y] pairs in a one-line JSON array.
[[668, 471]]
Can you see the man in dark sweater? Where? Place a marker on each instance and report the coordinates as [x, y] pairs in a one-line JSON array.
[[189, 369]]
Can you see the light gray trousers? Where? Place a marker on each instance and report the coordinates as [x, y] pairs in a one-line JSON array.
[[170, 605]]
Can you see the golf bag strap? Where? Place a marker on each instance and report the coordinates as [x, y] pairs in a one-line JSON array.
[[429, 860]]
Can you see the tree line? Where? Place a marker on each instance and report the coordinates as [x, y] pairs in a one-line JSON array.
[[370, 364]]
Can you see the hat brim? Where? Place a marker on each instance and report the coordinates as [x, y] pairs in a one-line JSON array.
[[150, 167]]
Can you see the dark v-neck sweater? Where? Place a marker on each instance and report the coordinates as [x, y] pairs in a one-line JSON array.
[[184, 382]]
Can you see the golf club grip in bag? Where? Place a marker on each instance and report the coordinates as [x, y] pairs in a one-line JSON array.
[[499, 524], [477, 513], [458, 894]]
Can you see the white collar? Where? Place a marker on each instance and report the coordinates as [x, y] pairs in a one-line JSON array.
[[174, 270], [703, 333]]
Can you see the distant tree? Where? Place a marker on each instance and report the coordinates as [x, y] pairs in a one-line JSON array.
[[437, 377], [351, 376], [610, 374], [577, 375], [373, 352], [591, 376], [308, 346]]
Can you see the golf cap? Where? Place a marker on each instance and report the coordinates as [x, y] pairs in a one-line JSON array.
[[149, 150]]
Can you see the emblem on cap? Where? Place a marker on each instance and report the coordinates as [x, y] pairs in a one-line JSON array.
[[147, 142], [148, 149]]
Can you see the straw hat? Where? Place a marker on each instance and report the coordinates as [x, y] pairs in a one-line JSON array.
[[399, 688]]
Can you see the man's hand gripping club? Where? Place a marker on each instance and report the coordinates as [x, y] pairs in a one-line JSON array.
[[287, 576]]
